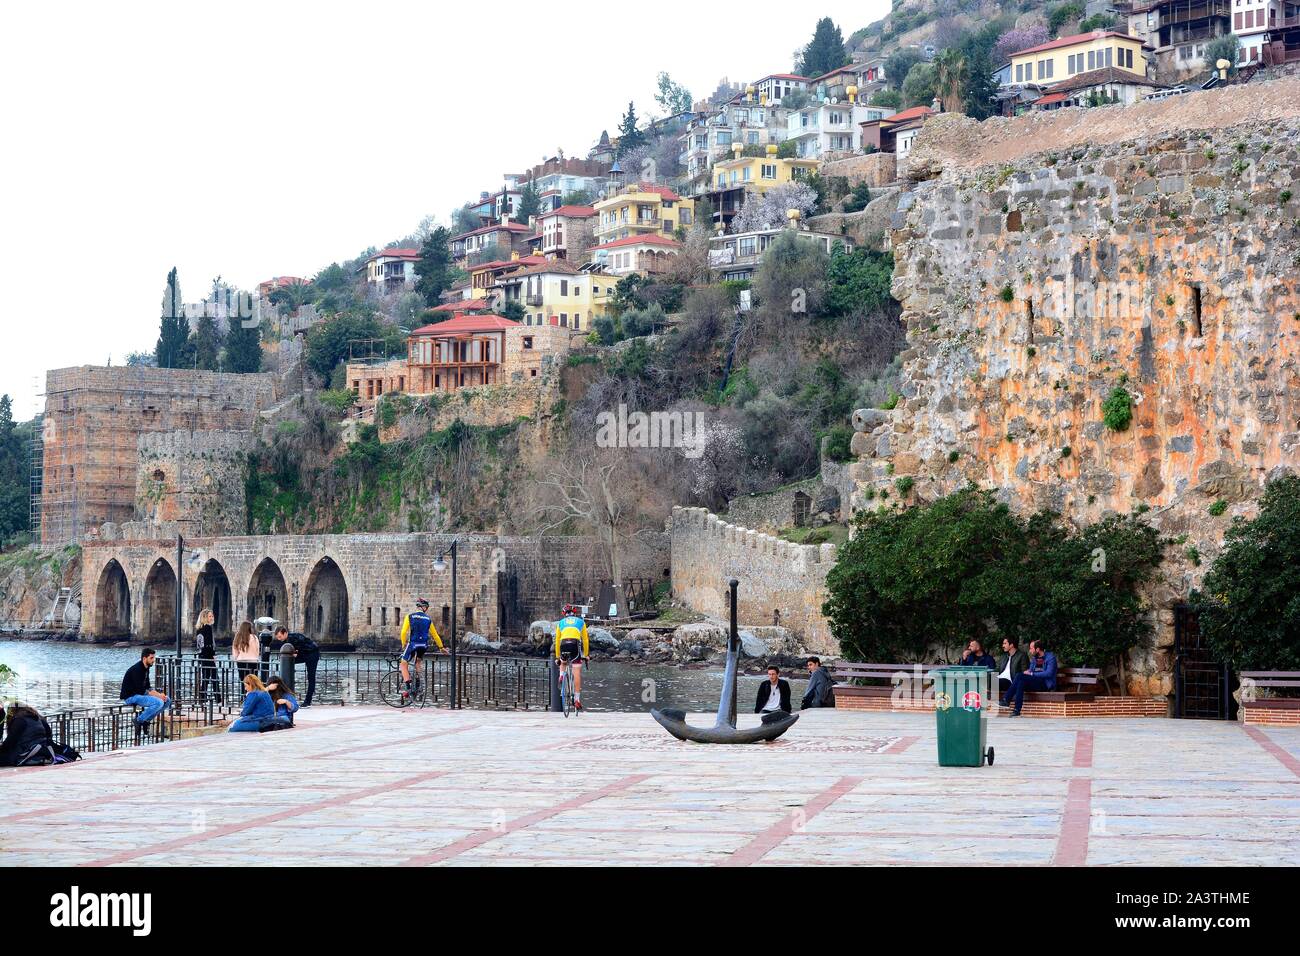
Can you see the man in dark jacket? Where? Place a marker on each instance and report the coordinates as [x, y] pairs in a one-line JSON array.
[[306, 652], [820, 691], [1014, 661], [773, 693], [975, 656], [137, 690], [1041, 675], [28, 731]]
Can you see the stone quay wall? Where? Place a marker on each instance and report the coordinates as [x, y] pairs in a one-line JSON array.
[[774, 575], [1165, 263]]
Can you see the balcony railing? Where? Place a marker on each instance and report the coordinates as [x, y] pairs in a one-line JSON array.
[[533, 300]]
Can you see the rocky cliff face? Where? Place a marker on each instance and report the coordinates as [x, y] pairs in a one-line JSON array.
[[30, 580], [1164, 266]]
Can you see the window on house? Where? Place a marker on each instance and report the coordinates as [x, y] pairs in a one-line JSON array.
[[564, 287], [469, 615], [446, 616], [370, 617], [383, 617], [1092, 59], [564, 320], [528, 341]]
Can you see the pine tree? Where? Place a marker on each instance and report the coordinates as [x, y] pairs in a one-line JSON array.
[[826, 51], [14, 475], [629, 136], [243, 348], [433, 271], [174, 334]]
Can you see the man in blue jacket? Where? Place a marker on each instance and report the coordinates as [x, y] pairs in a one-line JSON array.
[[1040, 676]]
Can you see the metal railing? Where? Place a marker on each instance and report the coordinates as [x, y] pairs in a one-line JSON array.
[[98, 730], [482, 681]]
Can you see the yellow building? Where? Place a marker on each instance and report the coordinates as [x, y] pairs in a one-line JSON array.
[[558, 293], [760, 173], [1070, 56], [642, 209]]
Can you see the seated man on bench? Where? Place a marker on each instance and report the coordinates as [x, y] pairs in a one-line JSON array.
[[1041, 675]]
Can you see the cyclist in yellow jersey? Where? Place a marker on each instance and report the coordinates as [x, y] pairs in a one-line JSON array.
[[417, 631], [572, 648]]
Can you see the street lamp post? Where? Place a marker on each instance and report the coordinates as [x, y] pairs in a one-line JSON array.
[[440, 565]]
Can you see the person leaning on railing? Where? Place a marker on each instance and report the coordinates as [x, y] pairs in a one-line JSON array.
[[305, 651]]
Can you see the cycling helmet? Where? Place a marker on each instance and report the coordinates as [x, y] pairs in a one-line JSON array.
[[422, 603], [570, 609]]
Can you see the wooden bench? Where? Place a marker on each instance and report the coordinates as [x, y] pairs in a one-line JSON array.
[[1072, 683], [1270, 680]]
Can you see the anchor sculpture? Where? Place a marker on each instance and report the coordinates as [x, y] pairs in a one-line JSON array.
[[725, 730]]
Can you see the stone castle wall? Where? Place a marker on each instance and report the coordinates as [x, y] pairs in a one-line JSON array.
[[94, 417], [195, 479], [775, 575], [1165, 262]]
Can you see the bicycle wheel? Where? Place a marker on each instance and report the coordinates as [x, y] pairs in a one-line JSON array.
[[393, 692], [566, 690]]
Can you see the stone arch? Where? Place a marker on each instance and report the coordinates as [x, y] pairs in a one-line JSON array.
[[112, 602], [268, 594], [158, 612], [212, 590], [325, 603]]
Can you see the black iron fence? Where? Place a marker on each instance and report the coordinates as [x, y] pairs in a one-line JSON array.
[[96, 730], [482, 681]]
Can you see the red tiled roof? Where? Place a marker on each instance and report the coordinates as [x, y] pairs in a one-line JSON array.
[[466, 305], [396, 253], [851, 68], [508, 226], [504, 263], [1107, 74], [916, 112], [573, 212], [652, 239], [551, 266], [1049, 98], [663, 191], [467, 324], [1072, 40]]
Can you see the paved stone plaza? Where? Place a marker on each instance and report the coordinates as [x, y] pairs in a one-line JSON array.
[[364, 786]]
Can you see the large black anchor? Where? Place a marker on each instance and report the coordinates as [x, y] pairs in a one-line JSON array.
[[724, 731]]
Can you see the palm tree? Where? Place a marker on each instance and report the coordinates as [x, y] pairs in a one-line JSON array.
[[952, 76]]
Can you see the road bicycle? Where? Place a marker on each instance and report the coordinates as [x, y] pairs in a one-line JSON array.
[[393, 690]]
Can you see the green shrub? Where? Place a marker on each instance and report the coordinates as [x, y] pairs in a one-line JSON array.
[[1007, 294], [904, 485], [1117, 409], [1218, 508], [837, 447], [965, 566], [1248, 610], [953, 456]]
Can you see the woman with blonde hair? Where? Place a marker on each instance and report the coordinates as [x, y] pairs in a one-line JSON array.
[[246, 651], [207, 655], [258, 713]]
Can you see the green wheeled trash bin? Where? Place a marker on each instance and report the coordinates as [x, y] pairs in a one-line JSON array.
[[961, 696]]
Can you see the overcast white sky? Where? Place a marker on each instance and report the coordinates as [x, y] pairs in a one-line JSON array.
[[249, 140]]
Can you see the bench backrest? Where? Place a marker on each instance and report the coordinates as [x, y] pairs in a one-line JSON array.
[[1272, 678], [849, 670]]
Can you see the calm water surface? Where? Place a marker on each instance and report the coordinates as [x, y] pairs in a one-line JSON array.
[[55, 674]]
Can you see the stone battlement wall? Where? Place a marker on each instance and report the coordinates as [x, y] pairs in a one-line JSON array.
[[774, 575]]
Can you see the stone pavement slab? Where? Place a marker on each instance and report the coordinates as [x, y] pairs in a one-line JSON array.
[[369, 786]]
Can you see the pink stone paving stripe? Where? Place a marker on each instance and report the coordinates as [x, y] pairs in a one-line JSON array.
[[572, 743], [145, 789], [213, 833], [1072, 845], [1285, 758], [521, 823], [395, 743], [898, 746], [1083, 748], [776, 834]]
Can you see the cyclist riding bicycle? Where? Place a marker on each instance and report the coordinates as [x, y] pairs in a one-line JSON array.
[[572, 648], [417, 629]]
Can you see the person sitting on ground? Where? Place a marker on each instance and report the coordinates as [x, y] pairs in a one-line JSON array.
[[821, 689], [305, 651], [259, 710], [286, 705], [137, 690], [1015, 662], [28, 732], [1040, 676], [773, 693], [975, 656], [245, 650]]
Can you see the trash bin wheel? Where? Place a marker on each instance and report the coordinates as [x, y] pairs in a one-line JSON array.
[[988, 756]]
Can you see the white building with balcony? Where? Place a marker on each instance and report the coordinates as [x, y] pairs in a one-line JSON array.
[[392, 270], [830, 127], [736, 256]]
